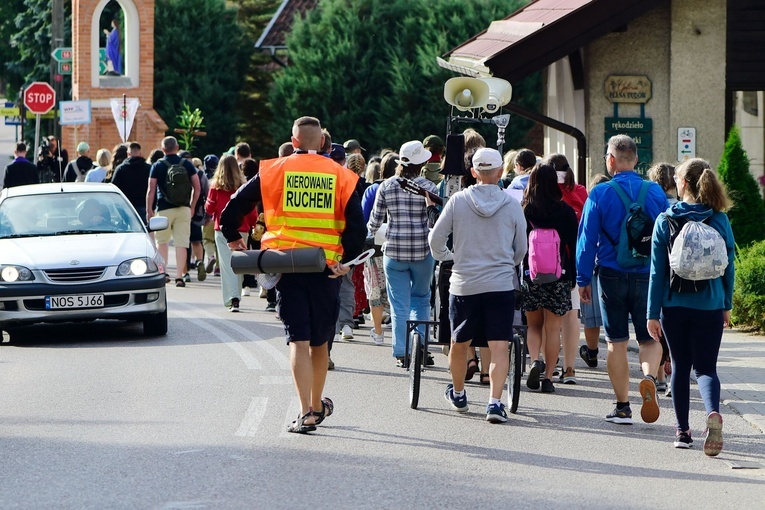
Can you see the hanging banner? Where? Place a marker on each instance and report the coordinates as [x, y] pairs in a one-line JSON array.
[[124, 110]]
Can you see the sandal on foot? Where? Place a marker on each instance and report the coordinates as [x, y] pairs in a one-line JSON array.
[[472, 368], [326, 410], [485, 379], [299, 426]]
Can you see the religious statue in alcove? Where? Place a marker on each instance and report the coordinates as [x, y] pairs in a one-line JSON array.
[[113, 48]]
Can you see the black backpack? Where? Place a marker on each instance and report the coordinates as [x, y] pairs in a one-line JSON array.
[[634, 245], [177, 184]]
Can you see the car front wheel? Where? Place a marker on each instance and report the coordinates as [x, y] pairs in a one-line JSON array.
[[155, 324]]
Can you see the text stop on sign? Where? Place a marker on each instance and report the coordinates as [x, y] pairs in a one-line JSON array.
[[40, 97]]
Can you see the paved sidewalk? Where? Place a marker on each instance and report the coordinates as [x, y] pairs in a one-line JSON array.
[[741, 368]]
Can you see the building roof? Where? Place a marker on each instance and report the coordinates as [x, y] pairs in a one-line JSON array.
[[274, 35], [541, 33]]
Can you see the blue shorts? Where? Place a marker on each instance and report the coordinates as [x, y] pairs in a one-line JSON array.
[[482, 317], [623, 295], [308, 305], [589, 313]]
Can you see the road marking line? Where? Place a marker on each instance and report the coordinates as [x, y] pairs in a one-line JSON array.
[[281, 360], [275, 379], [249, 359], [252, 417]]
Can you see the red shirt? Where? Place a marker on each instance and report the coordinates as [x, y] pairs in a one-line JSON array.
[[575, 198], [216, 202]]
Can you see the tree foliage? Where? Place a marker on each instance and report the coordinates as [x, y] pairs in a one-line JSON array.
[[8, 52], [200, 57], [367, 68], [747, 215], [255, 121]]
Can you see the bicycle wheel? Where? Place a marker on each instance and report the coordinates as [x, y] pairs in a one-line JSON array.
[[514, 375], [415, 370]]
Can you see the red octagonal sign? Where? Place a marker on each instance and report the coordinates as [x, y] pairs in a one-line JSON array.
[[39, 98]]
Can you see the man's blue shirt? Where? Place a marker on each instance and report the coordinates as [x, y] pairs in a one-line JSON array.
[[604, 211]]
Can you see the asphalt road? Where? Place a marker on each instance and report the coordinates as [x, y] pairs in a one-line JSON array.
[[97, 416]]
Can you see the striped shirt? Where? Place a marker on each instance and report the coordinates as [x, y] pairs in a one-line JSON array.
[[407, 235]]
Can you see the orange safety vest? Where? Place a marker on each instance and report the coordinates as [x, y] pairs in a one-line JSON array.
[[304, 198]]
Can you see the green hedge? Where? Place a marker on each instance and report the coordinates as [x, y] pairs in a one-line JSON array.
[[749, 289]]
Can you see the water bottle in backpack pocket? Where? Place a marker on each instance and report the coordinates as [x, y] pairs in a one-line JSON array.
[[544, 256]]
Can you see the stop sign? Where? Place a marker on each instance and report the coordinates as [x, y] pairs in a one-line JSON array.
[[39, 98]]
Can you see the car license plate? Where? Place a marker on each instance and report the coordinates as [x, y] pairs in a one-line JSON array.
[[69, 302]]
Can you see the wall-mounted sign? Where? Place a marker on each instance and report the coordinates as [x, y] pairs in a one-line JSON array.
[[686, 143], [640, 130], [628, 89]]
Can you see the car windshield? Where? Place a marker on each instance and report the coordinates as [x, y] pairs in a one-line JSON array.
[[67, 214]]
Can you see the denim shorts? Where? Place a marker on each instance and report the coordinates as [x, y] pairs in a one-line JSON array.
[[590, 314], [623, 295]]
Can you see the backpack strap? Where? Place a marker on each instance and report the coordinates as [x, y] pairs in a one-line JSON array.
[[622, 195], [643, 193]]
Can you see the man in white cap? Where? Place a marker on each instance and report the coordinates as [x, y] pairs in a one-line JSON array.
[[489, 241]]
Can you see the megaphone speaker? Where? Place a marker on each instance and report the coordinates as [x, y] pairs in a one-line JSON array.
[[466, 93], [500, 93]]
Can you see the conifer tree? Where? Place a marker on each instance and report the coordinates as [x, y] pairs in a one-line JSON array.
[[747, 216], [367, 68]]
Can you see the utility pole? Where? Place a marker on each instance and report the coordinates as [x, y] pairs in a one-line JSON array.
[[56, 41]]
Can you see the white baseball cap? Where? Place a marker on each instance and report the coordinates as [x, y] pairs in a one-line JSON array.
[[487, 159], [413, 153]]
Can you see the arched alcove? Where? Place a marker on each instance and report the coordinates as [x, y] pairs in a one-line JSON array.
[[131, 48]]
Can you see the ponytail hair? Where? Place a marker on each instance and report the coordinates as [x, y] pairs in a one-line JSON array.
[[703, 184]]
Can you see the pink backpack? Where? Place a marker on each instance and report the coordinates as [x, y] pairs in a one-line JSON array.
[[544, 256]]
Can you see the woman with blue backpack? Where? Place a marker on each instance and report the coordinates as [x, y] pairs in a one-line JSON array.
[[550, 273], [692, 271]]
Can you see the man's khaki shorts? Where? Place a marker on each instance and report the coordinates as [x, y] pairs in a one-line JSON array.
[[179, 219]]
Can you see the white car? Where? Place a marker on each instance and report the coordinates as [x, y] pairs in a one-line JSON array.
[[78, 252]]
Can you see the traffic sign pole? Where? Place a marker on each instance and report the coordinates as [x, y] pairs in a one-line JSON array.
[[37, 135]]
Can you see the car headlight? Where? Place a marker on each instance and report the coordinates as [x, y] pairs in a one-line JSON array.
[[15, 274], [137, 267]]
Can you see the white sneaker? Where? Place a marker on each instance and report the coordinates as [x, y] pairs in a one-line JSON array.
[[263, 293], [245, 291], [378, 339], [347, 332]]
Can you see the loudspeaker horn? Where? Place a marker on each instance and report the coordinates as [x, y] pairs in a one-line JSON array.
[[500, 93], [466, 93]]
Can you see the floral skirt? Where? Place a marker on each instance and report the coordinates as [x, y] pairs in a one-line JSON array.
[[555, 297], [374, 282]]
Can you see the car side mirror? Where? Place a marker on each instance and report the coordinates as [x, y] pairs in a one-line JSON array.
[[158, 223]]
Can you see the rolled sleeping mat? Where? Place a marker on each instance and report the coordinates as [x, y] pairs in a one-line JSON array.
[[299, 260]]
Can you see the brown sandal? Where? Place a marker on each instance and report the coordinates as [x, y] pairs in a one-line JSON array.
[[485, 379]]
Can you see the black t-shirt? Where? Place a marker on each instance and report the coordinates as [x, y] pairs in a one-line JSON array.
[[159, 172], [83, 164], [132, 177]]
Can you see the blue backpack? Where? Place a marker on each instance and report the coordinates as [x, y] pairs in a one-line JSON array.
[[634, 246]]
